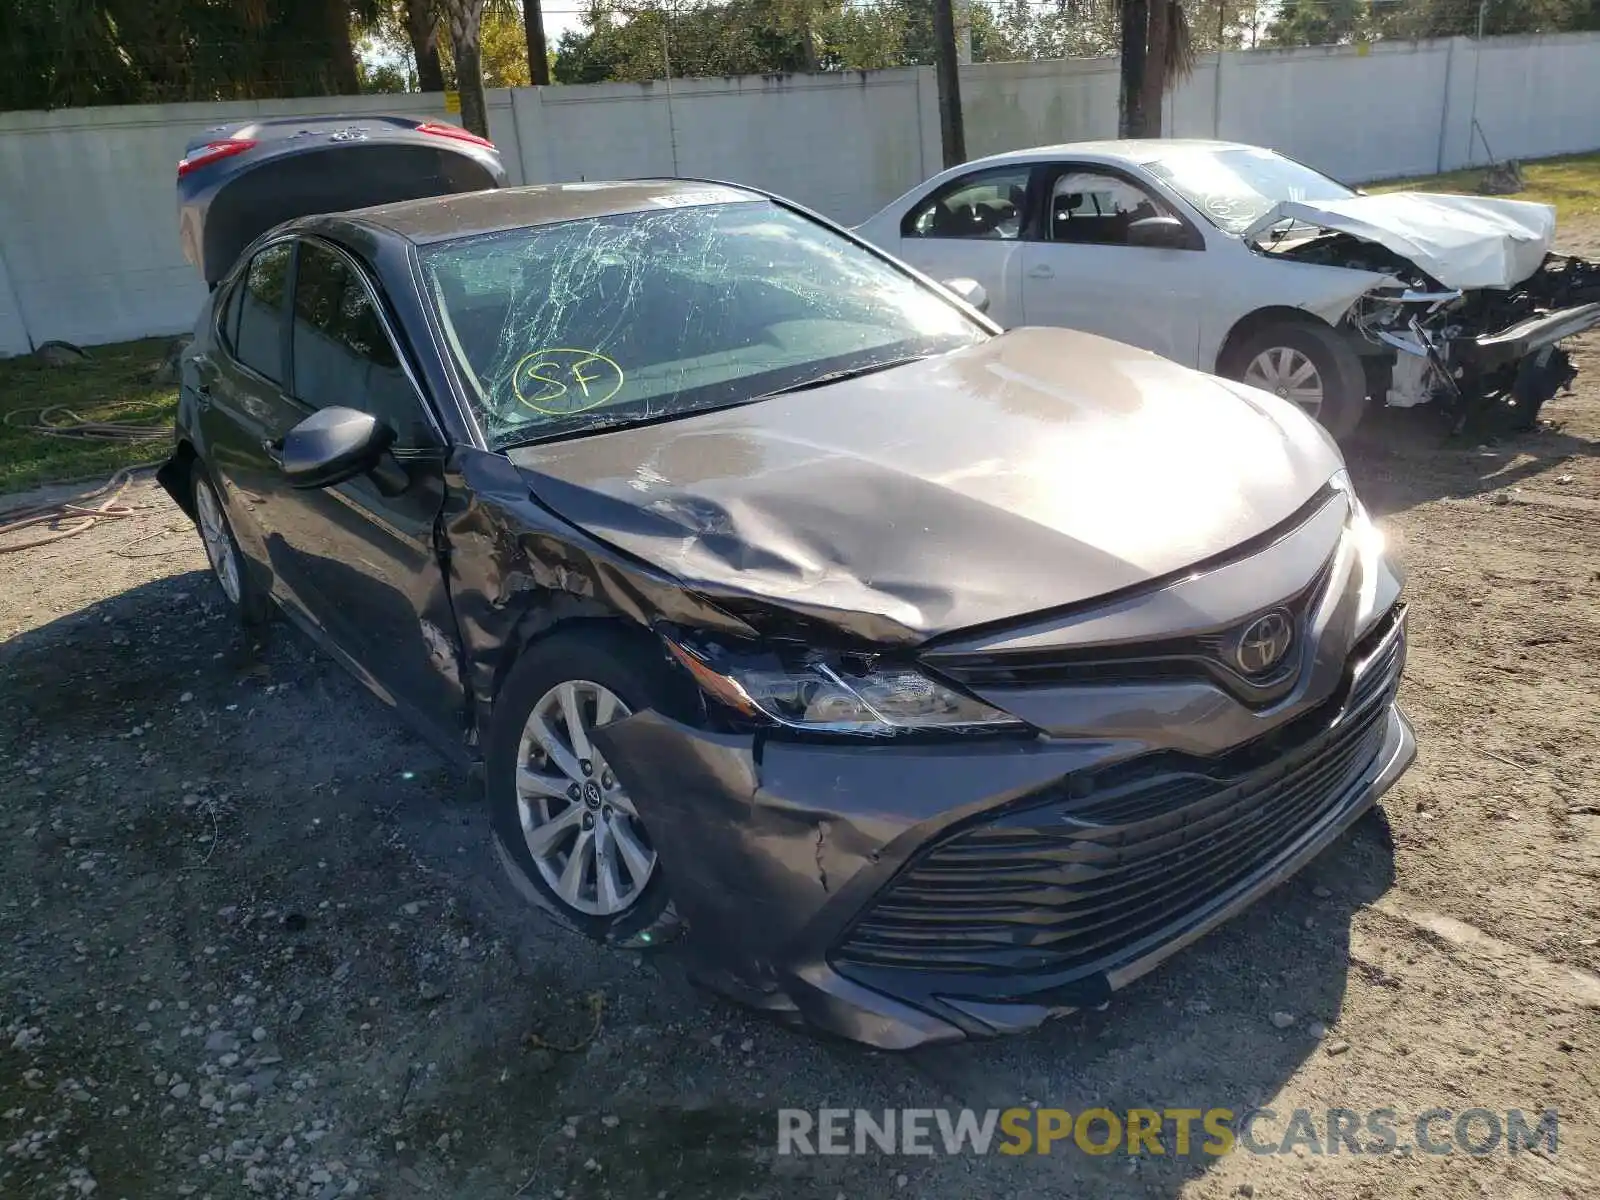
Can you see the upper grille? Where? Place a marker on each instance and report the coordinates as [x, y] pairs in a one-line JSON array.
[[1098, 872], [1202, 655]]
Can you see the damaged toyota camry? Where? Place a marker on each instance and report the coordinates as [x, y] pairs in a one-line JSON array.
[[924, 680]]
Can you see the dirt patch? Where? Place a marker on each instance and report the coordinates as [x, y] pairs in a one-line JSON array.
[[256, 944]]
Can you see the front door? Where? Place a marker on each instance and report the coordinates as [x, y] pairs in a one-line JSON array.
[[361, 565], [240, 392], [1081, 273]]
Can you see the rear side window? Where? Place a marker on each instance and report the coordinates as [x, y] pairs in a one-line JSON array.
[[259, 342], [342, 355], [986, 204]]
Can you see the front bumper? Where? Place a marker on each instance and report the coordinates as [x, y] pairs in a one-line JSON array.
[[903, 895]]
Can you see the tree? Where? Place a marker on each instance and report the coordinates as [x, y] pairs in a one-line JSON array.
[[422, 31], [1157, 52], [1320, 22], [465, 19], [747, 37], [538, 52]]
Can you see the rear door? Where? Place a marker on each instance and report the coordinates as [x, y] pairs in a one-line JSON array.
[[971, 227], [1080, 272], [362, 564]]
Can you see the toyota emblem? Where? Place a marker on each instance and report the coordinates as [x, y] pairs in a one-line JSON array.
[[1264, 642]]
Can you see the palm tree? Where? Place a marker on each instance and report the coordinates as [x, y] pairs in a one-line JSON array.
[[465, 18], [538, 52], [1157, 52]]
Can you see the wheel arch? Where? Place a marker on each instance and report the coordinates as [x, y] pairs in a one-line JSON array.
[[1252, 322], [173, 475], [561, 615]]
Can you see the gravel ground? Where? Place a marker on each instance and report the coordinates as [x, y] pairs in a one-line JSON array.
[[257, 946]]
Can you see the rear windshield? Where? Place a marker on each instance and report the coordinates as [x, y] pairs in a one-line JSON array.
[[607, 321], [1235, 187]]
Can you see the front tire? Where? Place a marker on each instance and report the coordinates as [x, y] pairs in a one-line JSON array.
[[568, 832], [1308, 364]]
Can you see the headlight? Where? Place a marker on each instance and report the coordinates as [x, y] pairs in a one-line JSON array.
[[1368, 541], [825, 696]]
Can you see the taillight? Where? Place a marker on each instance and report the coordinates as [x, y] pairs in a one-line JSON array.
[[212, 151], [438, 129]]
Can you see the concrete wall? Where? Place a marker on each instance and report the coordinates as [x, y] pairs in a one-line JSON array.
[[88, 229], [842, 144]]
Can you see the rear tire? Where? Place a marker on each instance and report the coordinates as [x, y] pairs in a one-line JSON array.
[[229, 568], [566, 830], [1294, 359]]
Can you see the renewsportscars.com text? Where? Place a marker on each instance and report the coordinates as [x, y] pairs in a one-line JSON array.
[[1179, 1132]]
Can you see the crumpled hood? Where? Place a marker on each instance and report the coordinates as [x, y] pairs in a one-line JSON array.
[[1462, 241], [1040, 469]]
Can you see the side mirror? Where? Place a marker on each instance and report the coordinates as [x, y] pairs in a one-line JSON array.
[[970, 290], [331, 446], [1160, 233]]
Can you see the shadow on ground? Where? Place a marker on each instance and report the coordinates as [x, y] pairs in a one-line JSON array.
[[258, 825], [1402, 458]]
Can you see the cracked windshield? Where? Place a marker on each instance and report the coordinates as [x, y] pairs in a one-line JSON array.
[[1235, 187], [591, 324]]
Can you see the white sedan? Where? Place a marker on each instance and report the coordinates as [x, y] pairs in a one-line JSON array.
[[1237, 260]]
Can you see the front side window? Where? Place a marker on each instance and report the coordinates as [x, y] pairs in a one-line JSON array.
[[986, 204], [342, 355], [1093, 208], [259, 342], [607, 321], [1236, 187]]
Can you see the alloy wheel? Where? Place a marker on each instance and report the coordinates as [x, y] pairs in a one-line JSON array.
[[579, 824], [217, 540], [1288, 373]]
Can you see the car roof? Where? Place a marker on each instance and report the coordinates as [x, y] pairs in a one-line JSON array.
[[441, 218], [1137, 150]]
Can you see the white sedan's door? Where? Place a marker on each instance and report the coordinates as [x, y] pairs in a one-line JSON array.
[[1080, 271], [969, 227]]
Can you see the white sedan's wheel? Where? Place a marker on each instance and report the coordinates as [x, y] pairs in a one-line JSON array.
[[1308, 363], [1288, 373], [580, 828], [217, 540]]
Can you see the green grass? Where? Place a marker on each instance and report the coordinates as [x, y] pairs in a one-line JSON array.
[[113, 386], [1570, 183]]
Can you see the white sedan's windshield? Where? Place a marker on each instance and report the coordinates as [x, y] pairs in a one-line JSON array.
[[1235, 187], [608, 321]]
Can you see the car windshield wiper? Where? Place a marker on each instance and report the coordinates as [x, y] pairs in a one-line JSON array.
[[828, 377]]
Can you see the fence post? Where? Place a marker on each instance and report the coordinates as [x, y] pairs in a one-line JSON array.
[[15, 295], [1216, 92], [1444, 104]]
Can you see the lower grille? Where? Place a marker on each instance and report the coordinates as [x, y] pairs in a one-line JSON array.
[[1086, 882]]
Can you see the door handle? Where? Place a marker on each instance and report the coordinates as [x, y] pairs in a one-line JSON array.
[[1041, 272], [273, 449]]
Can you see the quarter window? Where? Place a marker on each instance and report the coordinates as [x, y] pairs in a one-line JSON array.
[[342, 355], [986, 204], [259, 342]]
